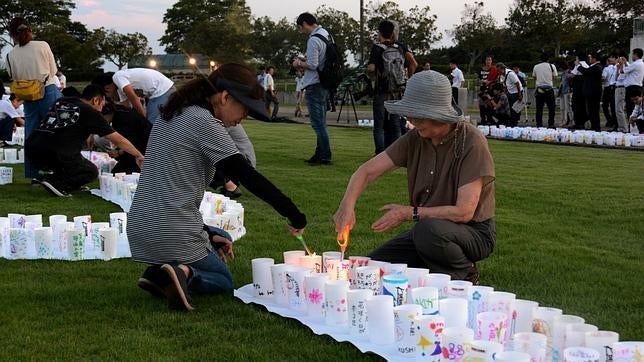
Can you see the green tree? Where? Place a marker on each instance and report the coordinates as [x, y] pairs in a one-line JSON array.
[[38, 13], [218, 29], [274, 42], [552, 26], [417, 27], [73, 46], [477, 33], [342, 27], [119, 48]]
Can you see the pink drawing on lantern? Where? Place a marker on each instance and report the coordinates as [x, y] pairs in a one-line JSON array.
[[316, 296]]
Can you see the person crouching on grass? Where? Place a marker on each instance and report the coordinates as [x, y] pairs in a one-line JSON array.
[[186, 145], [450, 179]]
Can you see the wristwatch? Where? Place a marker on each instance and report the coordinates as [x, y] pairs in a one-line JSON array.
[[414, 216]]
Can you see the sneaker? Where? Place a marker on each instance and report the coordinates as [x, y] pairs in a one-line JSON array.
[[177, 290], [35, 181], [473, 275], [153, 280], [53, 190], [313, 159]]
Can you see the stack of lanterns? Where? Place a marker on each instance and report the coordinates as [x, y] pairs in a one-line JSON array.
[[564, 136], [427, 316], [216, 210], [81, 238]]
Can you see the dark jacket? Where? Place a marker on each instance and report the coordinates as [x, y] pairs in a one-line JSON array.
[[592, 87]]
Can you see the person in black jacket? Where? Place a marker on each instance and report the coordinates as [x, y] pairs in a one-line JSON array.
[[131, 125], [592, 88], [578, 101]]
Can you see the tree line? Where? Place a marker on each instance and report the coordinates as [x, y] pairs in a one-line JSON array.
[[226, 30]]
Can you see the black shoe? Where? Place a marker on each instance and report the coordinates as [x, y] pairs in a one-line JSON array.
[[473, 275], [154, 280], [230, 194], [177, 290], [54, 190], [313, 159]]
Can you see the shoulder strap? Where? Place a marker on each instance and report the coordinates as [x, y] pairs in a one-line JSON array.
[[9, 65], [320, 36]]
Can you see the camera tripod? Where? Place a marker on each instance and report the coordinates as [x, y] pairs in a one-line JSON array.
[[348, 92]]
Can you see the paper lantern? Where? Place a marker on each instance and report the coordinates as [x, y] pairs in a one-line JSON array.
[[406, 331], [262, 279]]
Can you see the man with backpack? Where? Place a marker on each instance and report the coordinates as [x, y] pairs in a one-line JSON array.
[[388, 65], [321, 73]]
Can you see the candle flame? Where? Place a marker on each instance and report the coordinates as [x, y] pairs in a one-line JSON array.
[[345, 239]]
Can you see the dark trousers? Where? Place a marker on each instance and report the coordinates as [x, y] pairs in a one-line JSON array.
[[386, 126], [272, 99], [608, 106], [547, 97], [485, 113], [514, 116], [70, 171], [640, 125], [6, 128], [503, 118], [455, 95], [579, 109], [440, 245], [592, 109], [631, 89]]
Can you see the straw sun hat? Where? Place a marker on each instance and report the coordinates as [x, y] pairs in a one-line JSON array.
[[428, 95]]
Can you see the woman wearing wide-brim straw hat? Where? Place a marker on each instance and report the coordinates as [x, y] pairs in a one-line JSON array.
[[450, 181]]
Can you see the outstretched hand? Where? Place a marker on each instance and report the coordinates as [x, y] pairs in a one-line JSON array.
[[394, 215], [343, 219]]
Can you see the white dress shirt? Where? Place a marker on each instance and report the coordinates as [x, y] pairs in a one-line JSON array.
[[634, 73]]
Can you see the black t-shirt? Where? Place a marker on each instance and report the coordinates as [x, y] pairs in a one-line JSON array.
[[70, 137], [375, 57], [136, 129]]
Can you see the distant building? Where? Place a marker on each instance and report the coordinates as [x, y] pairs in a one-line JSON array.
[[638, 33], [176, 66]]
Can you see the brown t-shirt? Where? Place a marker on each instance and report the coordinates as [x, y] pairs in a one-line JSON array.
[[434, 174]]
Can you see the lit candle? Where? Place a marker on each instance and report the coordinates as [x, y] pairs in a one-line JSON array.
[[311, 262]]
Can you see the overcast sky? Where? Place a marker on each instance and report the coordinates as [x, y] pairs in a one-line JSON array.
[[146, 16]]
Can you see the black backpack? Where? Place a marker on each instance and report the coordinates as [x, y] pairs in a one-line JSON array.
[[332, 73]]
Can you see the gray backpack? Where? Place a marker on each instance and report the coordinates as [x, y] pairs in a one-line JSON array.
[[394, 75]]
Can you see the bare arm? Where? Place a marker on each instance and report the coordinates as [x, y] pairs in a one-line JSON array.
[[364, 175], [122, 143], [466, 202], [413, 64], [130, 93]]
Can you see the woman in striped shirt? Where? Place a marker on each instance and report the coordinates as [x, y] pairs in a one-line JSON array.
[[165, 228]]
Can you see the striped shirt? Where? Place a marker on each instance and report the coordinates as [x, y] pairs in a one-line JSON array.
[[164, 224]]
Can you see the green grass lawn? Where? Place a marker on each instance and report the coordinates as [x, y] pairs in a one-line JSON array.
[[570, 236]]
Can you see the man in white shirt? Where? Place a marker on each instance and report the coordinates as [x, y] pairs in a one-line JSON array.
[[62, 79], [122, 86], [271, 94], [634, 73], [514, 90], [9, 117], [620, 95], [544, 74], [608, 92], [458, 80]]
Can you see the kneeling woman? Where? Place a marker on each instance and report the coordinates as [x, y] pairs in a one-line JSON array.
[[165, 228], [450, 182]]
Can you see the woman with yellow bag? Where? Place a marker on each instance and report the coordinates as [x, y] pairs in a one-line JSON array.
[[32, 68]]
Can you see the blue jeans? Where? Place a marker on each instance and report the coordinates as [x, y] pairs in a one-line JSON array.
[[153, 108], [36, 111], [210, 275], [316, 96], [386, 126]]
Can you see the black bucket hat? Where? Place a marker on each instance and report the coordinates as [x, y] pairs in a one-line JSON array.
[[247, 96]]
